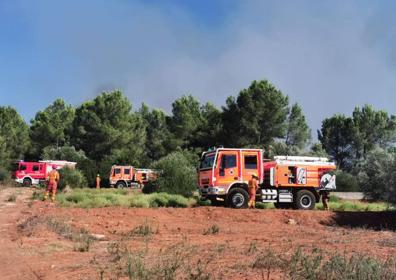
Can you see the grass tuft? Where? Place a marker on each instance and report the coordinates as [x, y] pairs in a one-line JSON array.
[[212, 230], [11, 198]]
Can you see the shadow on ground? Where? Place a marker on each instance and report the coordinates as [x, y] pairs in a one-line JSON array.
[[369, 220]]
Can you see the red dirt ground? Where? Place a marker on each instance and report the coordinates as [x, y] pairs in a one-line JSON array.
[[30, 249]]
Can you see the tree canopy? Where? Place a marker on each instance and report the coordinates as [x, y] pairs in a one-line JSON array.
[[51, 127], [298, 132], [256, 117], [14, 135], [349, 139], [106, 126]]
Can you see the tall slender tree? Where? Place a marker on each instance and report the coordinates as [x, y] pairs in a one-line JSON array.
[[14, 134], [298, 132], [51, 127], [337, 136], [158, 141]]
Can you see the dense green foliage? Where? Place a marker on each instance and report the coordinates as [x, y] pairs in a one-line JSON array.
[[337, 137], [349, 139], [298, 133], [4, 175], [178, 174], [363, 145], [256, 117], [377, 175], [347, 182], [157, 132], [107, 127], [72, 178], [52, 126], [107, 130], [87, 198], [14, 136]]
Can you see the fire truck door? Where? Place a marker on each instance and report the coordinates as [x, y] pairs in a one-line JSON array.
[[227, 166], [250, 165], [117, 173]]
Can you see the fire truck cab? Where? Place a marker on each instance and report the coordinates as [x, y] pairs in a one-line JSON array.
[[286, 181], [129, 176]]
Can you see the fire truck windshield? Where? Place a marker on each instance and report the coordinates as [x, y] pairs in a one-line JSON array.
[[207, 161]]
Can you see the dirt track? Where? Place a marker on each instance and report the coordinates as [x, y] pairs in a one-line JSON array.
[[30, 249]]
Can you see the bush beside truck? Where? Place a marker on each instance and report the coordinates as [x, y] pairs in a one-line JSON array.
[[73, 178], [4, 175], [178, 175]]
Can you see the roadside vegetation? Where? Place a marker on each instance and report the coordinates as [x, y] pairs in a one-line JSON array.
[[338, 204], [92, 198], [81, 237], [180, 262]]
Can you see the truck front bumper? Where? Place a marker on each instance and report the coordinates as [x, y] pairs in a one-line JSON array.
[[211, 192]]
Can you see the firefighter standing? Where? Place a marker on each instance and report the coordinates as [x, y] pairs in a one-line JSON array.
[[53, 179], [98, 181], [253, 185], [325, 200]]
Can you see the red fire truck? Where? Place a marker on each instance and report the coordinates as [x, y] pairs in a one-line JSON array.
[[287, 181], [33, 173]]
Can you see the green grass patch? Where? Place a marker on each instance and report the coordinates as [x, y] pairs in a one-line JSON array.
[[93, 198], [262, 205], [338, 204]]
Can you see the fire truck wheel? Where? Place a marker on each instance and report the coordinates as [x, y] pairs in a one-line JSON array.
[[27, 182], [120, 185], [238, 198], [305, 200]]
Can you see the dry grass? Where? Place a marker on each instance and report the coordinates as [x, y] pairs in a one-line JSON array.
[[81, 237]]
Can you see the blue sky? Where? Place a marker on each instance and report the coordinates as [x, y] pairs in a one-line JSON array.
[[329, 56]]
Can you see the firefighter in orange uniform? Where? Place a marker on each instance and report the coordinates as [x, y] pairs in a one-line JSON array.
[[98, 181], [253, 185], [53, 179]]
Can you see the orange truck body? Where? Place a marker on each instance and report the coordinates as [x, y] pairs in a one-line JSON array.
[[287, 181], [122, 176]]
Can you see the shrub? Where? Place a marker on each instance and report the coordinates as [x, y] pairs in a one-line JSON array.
[[315, 266], [347, 182], [178, 175], [377, 175], [11, 198], [334, 198], [4, 174], [72, 178], [214, 229]]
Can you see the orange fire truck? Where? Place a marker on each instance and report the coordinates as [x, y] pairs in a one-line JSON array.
[[287, 181], [129, 176]]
